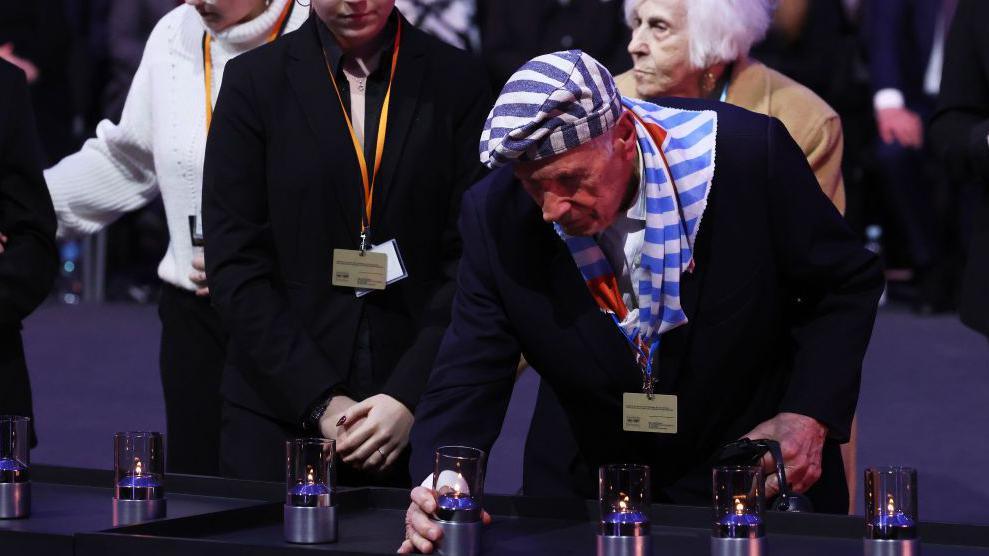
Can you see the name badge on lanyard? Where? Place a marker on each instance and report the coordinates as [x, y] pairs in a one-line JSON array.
[[371, 267], [646, 411]]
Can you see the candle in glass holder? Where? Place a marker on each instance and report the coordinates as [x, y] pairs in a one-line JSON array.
[[891, 503], [738, 504], [309, 493], [15, 484], [139, 477], [310, 503]]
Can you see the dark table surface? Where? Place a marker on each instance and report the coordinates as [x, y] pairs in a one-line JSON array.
[[71, 515]]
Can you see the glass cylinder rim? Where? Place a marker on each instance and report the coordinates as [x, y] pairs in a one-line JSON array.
[[310, 441], [478, 453], [136, 434], [890, 469], [15, 418], [625, 467], [737, 468]]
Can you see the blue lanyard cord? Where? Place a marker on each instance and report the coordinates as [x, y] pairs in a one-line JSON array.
[[640, 355]]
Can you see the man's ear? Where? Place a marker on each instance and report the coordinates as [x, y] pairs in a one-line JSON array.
[[625, 138]]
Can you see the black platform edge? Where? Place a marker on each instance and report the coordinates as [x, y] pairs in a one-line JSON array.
[[198, 485], [819, 525]]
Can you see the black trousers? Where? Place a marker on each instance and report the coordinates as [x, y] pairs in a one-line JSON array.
[[193, 352], [253, 445]]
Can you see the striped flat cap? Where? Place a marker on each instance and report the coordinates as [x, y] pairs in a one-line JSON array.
[[553, 103]]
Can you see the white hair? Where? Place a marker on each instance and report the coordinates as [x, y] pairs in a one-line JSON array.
[[720, 30]]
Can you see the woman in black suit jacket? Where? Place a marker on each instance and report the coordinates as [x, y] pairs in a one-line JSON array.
[[28, 257], [283, 190]]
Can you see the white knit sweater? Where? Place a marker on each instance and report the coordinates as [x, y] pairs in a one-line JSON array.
[[160, 142]]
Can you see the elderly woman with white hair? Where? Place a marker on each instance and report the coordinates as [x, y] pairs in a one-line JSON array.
[[699, 48]]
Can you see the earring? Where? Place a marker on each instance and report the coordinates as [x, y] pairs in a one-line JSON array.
[[303, 5], [708, 82]]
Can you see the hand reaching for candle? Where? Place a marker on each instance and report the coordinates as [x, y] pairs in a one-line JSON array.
[[801, 440], [198, 275], [330, 424], [420, 531], [377, 432]]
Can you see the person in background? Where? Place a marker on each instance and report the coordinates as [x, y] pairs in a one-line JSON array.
[[347, 146], [510, 36], [28, 257], [905, 49], [157, 149], [959, 135], [452, 21], [36, 37], [699, 49]]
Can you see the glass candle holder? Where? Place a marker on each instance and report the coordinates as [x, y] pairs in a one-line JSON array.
[[624, 493], [15, 444], [139, 466], [458, 479], [891, 503], [15, 475], [738, 502], [310, 479]]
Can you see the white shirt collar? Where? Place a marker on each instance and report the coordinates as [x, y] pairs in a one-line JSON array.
[[638, 209]]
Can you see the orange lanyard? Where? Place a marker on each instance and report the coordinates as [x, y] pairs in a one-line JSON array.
[[379, 147], [208, 59]]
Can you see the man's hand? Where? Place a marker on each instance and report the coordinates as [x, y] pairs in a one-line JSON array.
[[330, 424], [900, 125], [30, 70], [198, 275], [3, 242], [801, 440], [377, 432], [421, 532]]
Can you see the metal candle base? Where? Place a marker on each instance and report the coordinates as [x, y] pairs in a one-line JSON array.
[[460, 538], [129, 512], [898, 547], [15, 500], [613, 545], [738, 547], [310, 525]]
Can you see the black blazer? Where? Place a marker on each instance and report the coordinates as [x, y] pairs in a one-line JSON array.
[[29, 261], [959, 132], [781, 307], [282, 189]]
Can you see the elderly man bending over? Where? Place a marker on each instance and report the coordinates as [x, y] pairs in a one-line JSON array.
[[629, 249]]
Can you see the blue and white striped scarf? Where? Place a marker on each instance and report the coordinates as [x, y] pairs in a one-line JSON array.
[[676, 197]]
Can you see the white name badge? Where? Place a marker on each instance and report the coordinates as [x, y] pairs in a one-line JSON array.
[[395, 270], [640, 414], [353, 269]]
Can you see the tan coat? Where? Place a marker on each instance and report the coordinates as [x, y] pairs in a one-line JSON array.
[[814, 125]]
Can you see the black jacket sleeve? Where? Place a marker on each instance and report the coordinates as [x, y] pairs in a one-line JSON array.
[[835, 282], [408, 381], [241, 258], [30, 260], [959, 131], [467, 396]]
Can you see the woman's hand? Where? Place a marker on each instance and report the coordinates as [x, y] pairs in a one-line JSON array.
[[198, 275], [377, 430], [330, 424]]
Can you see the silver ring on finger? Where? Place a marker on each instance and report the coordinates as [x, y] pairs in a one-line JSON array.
[[382, 453]]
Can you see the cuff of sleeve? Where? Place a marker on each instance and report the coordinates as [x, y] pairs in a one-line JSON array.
[[888, 98]]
